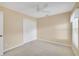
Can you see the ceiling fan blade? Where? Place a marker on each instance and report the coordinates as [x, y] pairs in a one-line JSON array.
[[45, 6], [39, 9]]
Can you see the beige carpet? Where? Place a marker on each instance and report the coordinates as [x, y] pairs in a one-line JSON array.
[[40, 48]]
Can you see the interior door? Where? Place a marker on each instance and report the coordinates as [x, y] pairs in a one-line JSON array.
[[1, 33]]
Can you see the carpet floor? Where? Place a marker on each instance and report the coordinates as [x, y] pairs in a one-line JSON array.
[[40, 48]]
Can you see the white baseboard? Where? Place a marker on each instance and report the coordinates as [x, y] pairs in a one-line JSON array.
[[59, 43], [75, 51], [16, 46]]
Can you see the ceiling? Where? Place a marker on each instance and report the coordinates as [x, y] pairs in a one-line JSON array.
[[40, 9]]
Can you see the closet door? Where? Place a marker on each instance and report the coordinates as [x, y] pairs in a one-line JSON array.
[[1, 33]]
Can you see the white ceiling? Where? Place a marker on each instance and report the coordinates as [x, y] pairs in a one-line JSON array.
[[45, 8]]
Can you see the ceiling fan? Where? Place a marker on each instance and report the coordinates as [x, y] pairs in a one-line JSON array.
[[42, 8]]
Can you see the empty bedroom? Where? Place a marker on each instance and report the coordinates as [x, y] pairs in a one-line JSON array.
[[39, 28]]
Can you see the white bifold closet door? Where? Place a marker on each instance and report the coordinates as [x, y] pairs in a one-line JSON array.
[[1, 33]]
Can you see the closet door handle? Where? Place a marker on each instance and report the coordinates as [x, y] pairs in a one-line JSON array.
[[0, 35]]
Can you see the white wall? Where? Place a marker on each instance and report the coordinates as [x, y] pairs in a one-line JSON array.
[[29, 30], [55, 28]]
